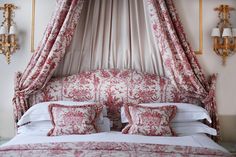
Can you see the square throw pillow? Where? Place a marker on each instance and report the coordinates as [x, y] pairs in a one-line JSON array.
[[149, 121], [67, 120]]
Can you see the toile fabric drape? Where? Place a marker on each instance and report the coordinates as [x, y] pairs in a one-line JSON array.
[[113, 34], [179, 61], [105, 40], [51, 50]]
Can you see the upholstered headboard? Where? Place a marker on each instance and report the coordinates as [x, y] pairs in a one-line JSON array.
[[111, 87], [101, 85]]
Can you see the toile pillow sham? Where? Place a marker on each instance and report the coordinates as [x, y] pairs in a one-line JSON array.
[[149, 121], [185, 113], [68, 120], [39, 112], [41, 128]]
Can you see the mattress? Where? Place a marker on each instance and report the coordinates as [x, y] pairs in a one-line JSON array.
[[111, 144], [197, 140]]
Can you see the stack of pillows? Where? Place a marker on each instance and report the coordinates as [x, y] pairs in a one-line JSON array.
[[165, 119], [64, 118], [153, 119]]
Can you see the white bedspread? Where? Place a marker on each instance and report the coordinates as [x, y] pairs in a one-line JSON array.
[[198, 140]]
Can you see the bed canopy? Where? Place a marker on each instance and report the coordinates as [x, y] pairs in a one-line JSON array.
[[69, 47]]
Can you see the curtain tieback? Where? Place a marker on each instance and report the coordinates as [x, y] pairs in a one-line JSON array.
[[17, 81], [18, 93], [211, 92]]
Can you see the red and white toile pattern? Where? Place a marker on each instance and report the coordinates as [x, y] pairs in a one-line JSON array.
[[92, 149], [50, 51], [179, 61], [149, 121], [112, 88], [68, 120]]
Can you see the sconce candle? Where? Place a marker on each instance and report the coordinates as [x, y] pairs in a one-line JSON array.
[[224, 36], [8, 38]]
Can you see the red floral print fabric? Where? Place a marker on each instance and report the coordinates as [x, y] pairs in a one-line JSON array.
[[49, 53], [92, 149], [179, 60], [149, 121], [68, 120], [112, 88]]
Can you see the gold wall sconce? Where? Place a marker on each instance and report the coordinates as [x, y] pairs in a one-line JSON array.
[[8, 38], [224, 35]]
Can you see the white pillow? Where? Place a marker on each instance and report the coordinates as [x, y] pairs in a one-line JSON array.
[[185, 112], [190, 128], [39, 112], [41, 128]]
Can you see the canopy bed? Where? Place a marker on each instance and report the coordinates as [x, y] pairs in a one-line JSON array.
[[87, 78]]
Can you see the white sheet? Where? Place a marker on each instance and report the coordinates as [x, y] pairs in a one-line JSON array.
[[198, 140]]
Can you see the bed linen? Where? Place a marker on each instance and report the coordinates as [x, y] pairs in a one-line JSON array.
[[111, 144]]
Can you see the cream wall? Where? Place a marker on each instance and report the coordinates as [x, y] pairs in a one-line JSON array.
[[210, 62], [20, 59], [188, 10]]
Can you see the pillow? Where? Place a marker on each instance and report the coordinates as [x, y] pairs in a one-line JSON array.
[[185, 113], [149, 121], [190, 128], [39, 112], [41, 128], [68, 120], [36, 128]]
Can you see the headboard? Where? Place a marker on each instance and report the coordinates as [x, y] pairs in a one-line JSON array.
[[111, 87]]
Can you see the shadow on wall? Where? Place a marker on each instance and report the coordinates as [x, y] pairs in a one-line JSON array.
[[228, 128]]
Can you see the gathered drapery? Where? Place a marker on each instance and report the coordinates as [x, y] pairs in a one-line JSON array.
[[179, 60], [113, 34], [142, 35], [51, 50]]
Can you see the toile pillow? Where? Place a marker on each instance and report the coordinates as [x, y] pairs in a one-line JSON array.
[[67, 120], [149, 121], [41, 128], [185, 112], [39, 112]]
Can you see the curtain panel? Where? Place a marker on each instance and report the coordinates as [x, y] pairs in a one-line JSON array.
[[113, 34], [179, 61], [50, 51]]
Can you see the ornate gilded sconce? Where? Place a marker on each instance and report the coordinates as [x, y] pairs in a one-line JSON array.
[[224, 35], [8, 38]]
